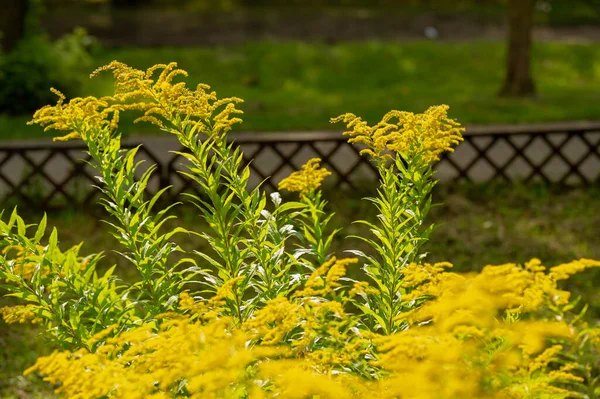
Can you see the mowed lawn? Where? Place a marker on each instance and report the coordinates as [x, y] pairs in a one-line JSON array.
[[300, 86]]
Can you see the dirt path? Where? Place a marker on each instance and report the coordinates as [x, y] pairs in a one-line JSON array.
[[160, 27]]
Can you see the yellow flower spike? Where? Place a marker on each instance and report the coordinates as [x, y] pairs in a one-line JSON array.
[[276, 319], [306, 180], [186, 302], [325, 278], [428, 134], [362, 288], [226, 290], [102, 334], [68, 137], [337, 271], [212, 308], [165, 103], [20, 314], [542, 360], [564, 373], [79, 117], [564, 271], [150, 71]]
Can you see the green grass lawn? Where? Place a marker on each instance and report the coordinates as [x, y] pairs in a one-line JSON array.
[[299, 86]]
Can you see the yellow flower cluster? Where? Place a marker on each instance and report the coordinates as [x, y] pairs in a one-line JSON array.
[[302, 324], [425, 362], [564, 271], [428, 134], [162, 100], [464, 331], [306, 180], [457, 344], [85, 118], [20, 314], [168, 105], [144, 363], [277, 319], [415, 275], [211, 308], [309, 318], [542, 376], [324, 279], [510, 286]]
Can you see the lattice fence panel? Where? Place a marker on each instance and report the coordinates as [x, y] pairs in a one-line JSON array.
[[53, 175], [563, 158]]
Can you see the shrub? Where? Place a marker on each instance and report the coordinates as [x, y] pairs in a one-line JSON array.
[[35, 63], [269, 312]]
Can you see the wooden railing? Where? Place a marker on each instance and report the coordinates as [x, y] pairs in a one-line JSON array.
[[52, 175]]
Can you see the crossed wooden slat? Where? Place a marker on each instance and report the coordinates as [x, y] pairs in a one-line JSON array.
[[334, 143], [556, 151]]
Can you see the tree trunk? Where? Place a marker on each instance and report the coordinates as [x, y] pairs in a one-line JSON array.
[[12, 23], [518, 80]]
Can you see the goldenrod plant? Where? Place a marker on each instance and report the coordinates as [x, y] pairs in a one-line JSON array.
[[402, 152], [315, 238], [269, 312]]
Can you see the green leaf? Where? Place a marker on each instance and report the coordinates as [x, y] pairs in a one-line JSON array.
[[12, 219], [53, 240], [24, 295], [21, 228], [40, 230], [371, 313], [290, 206]]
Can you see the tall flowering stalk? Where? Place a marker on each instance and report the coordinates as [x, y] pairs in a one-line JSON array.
[[313, 222], [403, 146], [135, 224], [249, 240]]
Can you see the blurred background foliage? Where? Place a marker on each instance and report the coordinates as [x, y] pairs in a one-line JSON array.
[[297, 63], [38, 63], [35, 63]]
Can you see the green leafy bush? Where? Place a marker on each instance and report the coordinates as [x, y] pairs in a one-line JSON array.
[[36, 63]]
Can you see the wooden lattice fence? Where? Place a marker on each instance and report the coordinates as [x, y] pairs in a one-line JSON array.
[[52, 175]]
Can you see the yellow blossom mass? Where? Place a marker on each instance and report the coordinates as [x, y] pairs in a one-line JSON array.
[[168, 105], [306, 180], [457, 344], [427, 135], [20, 314]]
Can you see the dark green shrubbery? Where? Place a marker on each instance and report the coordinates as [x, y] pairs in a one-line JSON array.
[[37, 63]]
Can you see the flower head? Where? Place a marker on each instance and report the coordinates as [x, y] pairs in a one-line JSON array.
[[163, 102], [429, 134], [20, 314], [306, 180], [79, 118], [325, 278]]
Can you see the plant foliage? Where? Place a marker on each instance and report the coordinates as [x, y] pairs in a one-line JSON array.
[[269, 311]]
